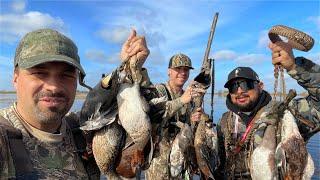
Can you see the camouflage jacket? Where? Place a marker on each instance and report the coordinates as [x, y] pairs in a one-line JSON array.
[[175, 110], [305, 110], [53, 156], [237, 164], [164, 132], [56, 156]]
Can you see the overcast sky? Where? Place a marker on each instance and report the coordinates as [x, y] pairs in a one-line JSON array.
[[100, 27]]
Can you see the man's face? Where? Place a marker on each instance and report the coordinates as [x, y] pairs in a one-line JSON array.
[[244, 93], [179, 75], [45, 92]]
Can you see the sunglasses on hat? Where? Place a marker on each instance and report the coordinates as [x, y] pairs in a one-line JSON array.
[[245, 85]]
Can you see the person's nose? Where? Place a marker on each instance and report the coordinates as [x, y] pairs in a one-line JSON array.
[[183, 72], [240, 90], [53, 84]]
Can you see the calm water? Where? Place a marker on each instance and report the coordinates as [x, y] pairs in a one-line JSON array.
[[219, 108]]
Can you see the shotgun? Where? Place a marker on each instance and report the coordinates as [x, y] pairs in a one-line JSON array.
[[205, 77]]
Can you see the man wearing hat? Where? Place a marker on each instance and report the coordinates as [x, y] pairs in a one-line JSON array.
[[248, 104], [245, 100], [39, 139], [177, 108]]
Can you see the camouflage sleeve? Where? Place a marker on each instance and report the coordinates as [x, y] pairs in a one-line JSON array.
[[307, 110], [172, 107], [6, 163]]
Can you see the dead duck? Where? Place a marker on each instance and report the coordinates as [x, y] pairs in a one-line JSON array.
[[106, 147], [128, 119], [262, 165], [107, 139], [206, 147], [180, 145], [133, 117], [292, 157]]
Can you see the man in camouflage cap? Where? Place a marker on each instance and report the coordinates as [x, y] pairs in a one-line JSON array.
[[39, 139], [248, 102], [177, 108]]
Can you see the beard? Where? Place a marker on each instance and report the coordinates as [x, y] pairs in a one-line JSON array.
[[248, 107], [51, 115]]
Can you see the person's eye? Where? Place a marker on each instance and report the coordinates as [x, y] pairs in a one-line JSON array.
[[38, 73], [70, 75]]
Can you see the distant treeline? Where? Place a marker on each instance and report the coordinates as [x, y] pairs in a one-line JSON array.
[[7, 92], [79, 94]]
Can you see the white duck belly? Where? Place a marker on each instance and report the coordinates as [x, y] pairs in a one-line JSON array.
[[133, 114], [262, 164]]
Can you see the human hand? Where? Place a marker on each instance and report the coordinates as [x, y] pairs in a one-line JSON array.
[[124, 55], [196, 115], [282, 54], [194, 89], [135, 45], [186, 96]]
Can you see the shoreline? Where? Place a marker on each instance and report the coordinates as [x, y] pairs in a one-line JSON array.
[[79, 94]]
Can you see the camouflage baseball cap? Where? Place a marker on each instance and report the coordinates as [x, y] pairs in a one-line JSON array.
[[180, 60], [47, 45]]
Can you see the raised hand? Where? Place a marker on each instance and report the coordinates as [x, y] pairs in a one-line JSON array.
[[135, 45], [192, 92], [282, 55]]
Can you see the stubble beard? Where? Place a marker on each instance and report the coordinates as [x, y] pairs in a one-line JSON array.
[[50, 115]]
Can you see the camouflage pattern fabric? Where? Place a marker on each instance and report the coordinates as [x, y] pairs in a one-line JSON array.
[[180, 60], [174, 108], [46, 45], [227, 139], [174, 111], [50, 160], [307, 74]]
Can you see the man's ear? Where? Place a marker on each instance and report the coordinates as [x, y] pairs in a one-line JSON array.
[[261, 85], [15, 77], [169, 72]]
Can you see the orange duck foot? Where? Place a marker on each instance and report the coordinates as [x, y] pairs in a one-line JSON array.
[[131, 160], [137, 160]]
